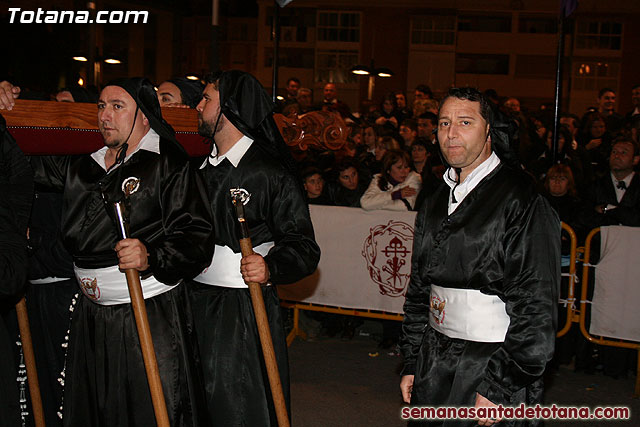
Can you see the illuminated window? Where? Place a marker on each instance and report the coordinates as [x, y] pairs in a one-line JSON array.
[[333, 66], [439, 30], [594, 75]]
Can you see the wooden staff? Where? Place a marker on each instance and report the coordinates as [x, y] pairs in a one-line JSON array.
[[30, 362], [261, 320], [144, 332]]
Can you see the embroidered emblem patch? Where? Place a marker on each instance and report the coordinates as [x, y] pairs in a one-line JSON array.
[[90, 287], [240, 194], [130, 185], [437, 309]]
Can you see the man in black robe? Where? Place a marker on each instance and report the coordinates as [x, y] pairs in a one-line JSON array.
[[248, 156], [480, 312], [16, 187], [171, 240]]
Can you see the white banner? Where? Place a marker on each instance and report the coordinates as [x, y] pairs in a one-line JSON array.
[[365, 261], [616, 297]]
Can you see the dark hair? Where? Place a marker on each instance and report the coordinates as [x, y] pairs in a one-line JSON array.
[[213, 78], [344, 164], [391, 157], [429, 116], [410, 123], [473, 95], [293, 79], [309, 171], [627, 140], [590, 119], [389, 97], [424, 89], [576, 119], [605, 90], [635, 87]]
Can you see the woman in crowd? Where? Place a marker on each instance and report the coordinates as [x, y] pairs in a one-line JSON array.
[[388, 114], [348, 186], [396, 187], [597, 142]]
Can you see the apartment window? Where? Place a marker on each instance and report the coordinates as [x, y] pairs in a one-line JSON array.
[[338, 26], [485, 23], [467, 63], [594, 75], [599, 35], [537, 25], [290, 57], [293, 22], [440, 30], [535, 67], [334, 65]]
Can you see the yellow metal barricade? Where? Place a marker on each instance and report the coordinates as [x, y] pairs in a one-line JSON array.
[[570, 302], [583, 311]]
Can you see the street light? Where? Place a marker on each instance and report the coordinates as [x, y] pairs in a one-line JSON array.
[[372, 72]]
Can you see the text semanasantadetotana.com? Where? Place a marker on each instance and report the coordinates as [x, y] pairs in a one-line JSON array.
[[522, 412]]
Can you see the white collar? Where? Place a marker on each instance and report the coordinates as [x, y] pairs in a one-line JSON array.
[[149, 142], [627, 179], [470, 182], [235, 153]]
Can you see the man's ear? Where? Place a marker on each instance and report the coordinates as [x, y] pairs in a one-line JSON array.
[[636, 159], [145, 121]]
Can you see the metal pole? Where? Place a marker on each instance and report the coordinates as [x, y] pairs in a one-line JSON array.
[[276, 47], [215, 35], [556, 108]]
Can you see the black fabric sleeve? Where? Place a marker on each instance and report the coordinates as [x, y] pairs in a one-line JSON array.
[[531, 276], [416, 306], [185, 247], [296, 253]]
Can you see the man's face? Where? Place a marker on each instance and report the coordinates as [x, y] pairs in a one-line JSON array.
[[420, 95], [401, 100], [425, 128], [292, 88], [330, 91], [569, 122], [635, 97], [116, 115], [512, 105], [208, 110], [349, 178], [607, 102], [463, 134], [64, 96], [314, 185], [168, 93], [622, 158], [407, 134], [304, 99]]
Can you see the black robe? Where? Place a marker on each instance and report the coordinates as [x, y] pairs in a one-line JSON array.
[[504, 240], [16, 186], [237, 386], [105, 381]]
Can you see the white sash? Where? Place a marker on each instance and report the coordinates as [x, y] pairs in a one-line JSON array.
[[225, 267], [468, 314], [108, 286]]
